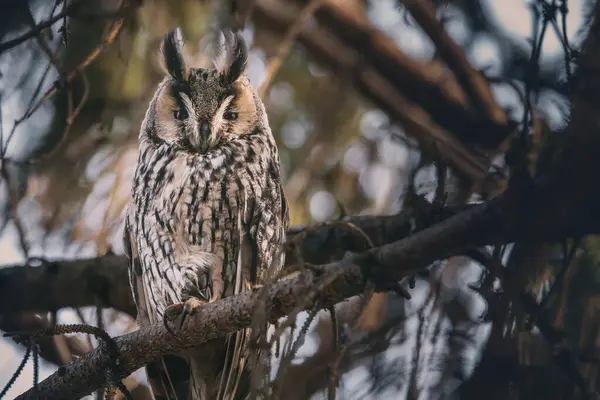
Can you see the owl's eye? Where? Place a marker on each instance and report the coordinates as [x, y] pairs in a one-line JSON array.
[[230, 116], [180, 114]]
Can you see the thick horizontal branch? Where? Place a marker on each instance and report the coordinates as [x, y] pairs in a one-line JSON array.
[[53, 285], [103, 281]]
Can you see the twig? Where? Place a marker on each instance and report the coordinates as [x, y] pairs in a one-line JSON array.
[[69, 122], [474, 83], [335, 369], [67, 12], [567, 259], [289, 356], [59, 83], [286, 44], [113, 354], [16, 373], [344, 223], [108, 39], [36, 364], [44, 46], [20, 120], [336, 344]]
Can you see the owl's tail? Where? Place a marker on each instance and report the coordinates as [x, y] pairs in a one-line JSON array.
[[168, 378], [235, 368], [236, 362], [216, 371]]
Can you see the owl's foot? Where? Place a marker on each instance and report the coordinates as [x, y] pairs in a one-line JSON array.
[[180, 311]]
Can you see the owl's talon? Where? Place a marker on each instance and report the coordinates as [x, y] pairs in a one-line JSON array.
[[179, 312], [188, 308], [171, 313]]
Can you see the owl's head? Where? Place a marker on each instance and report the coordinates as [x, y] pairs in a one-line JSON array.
[[198, 109]]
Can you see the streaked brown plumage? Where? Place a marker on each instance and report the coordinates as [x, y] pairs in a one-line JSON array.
[[208, 213]]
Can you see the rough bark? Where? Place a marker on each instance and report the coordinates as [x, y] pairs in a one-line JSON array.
[[67, 283]]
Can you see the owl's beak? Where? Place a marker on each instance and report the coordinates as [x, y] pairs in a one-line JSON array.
[[204, 136]]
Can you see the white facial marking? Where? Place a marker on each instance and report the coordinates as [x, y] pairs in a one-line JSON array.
[[187, 102], [218, 120], [190, 122]]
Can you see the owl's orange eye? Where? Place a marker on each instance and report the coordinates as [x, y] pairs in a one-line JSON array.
[[230, 116], [180, 114]]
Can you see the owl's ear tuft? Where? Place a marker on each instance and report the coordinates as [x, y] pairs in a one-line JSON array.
[[232, 58], [174, 57]]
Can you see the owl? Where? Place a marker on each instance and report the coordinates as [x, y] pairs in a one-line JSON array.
[[208, 214]]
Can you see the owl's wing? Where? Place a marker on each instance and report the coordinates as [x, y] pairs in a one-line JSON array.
[[135, 274], [168, 376], [260, 249]]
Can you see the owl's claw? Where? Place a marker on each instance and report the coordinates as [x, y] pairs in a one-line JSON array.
[[179, 312]]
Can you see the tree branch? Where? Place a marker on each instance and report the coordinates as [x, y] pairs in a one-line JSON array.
[[424, 83], [69, 283], [37, 29], [103, 280], [233, 313], [493, 222]]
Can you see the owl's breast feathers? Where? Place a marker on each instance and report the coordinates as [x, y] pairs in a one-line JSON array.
[[204, 211]]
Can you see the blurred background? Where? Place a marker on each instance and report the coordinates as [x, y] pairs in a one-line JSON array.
[[68, 158]]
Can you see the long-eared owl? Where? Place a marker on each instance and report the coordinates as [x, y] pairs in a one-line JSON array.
[[208, 215]]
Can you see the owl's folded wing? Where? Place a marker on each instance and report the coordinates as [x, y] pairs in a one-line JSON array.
[[169, 376]]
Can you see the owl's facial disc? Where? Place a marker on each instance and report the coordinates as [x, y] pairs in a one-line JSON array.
[[202, 127], [207, 107]]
